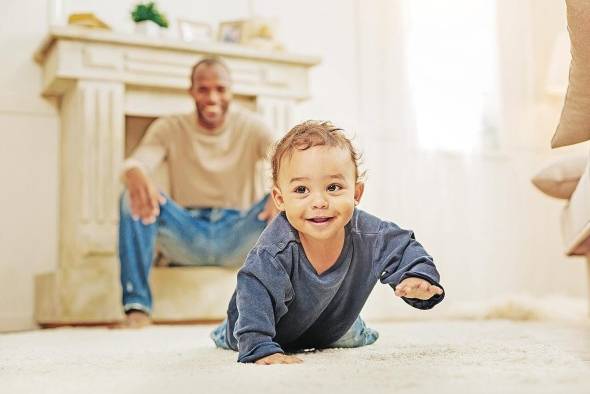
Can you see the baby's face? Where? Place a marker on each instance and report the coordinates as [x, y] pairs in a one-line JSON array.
[[317, 189]]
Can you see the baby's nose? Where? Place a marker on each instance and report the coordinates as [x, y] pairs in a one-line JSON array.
[[320, 202]]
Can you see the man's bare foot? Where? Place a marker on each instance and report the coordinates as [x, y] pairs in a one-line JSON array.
[[135, 319]]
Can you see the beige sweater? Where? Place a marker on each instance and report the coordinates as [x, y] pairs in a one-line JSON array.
[[207, 168]]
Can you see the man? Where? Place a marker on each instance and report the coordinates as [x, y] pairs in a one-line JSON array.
[[211, 216]]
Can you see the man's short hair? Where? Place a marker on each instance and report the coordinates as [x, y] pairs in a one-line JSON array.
[[210, 62]]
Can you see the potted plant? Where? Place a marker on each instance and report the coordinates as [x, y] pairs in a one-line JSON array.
[[148, 19]]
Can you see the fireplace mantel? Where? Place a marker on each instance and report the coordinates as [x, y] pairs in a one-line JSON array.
[[100, 77], [71, 53]]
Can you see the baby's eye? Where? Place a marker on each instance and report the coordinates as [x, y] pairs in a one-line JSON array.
[[334, 187], [300, 189]]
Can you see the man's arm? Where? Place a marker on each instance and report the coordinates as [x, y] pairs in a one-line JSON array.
[[264, 137], [144, 198]]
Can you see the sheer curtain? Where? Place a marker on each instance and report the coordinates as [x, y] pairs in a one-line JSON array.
[[452, 59], [444, 96]]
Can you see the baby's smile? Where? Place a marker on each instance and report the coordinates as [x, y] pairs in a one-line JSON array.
[[321, 219]]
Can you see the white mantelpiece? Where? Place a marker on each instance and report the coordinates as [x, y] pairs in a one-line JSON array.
[[101, 77]]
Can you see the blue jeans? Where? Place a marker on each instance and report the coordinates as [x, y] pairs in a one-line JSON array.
[[195, 237], [357, 335]]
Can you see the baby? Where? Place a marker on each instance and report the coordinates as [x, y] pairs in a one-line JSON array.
[[307, 278]]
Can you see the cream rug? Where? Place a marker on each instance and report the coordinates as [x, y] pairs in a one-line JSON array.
[[488, 356]]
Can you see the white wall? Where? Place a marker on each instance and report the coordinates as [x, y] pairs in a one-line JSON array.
[[490, 232], [28, 165]]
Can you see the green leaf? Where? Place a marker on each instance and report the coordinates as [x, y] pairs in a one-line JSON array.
[[149, 12]]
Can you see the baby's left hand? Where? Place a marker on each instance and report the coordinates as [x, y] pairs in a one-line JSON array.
[[416, 288]]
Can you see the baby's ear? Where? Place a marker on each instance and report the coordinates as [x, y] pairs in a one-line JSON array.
[[277, 197], [359, 189]]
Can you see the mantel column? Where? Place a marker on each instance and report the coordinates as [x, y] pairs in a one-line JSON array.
[[278, 113], [92, 149], [92, 142]]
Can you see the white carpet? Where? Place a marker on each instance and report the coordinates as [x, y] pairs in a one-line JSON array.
[[493, 356]]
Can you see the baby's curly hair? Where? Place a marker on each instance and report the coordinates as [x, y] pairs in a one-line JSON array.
[[308, 134]]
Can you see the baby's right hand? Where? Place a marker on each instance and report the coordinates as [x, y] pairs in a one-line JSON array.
[[278, 358]]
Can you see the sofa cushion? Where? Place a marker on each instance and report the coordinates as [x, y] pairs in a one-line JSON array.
[[560, 178], [574, 124], [575, 219]]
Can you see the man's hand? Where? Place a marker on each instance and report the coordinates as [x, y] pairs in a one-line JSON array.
[[269, 211], [144, 198], [416, 288], [278, 358]]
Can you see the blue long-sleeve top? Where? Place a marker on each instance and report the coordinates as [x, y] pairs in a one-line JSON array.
[[281, 303]]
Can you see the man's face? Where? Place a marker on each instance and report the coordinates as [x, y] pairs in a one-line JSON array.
[[211, 90], [318, 191]]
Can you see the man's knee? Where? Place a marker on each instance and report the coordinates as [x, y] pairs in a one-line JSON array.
[[125, 204]]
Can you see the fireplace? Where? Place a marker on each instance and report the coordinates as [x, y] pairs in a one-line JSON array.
[[109, 87]]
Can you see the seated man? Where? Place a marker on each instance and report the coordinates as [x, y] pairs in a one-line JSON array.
[[212, 216]]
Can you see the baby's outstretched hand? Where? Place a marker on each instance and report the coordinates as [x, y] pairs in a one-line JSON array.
[[416, 288], [278, 358]]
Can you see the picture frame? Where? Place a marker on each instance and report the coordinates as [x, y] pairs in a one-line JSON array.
[[232, 32], [255, 32], [191, 31]]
